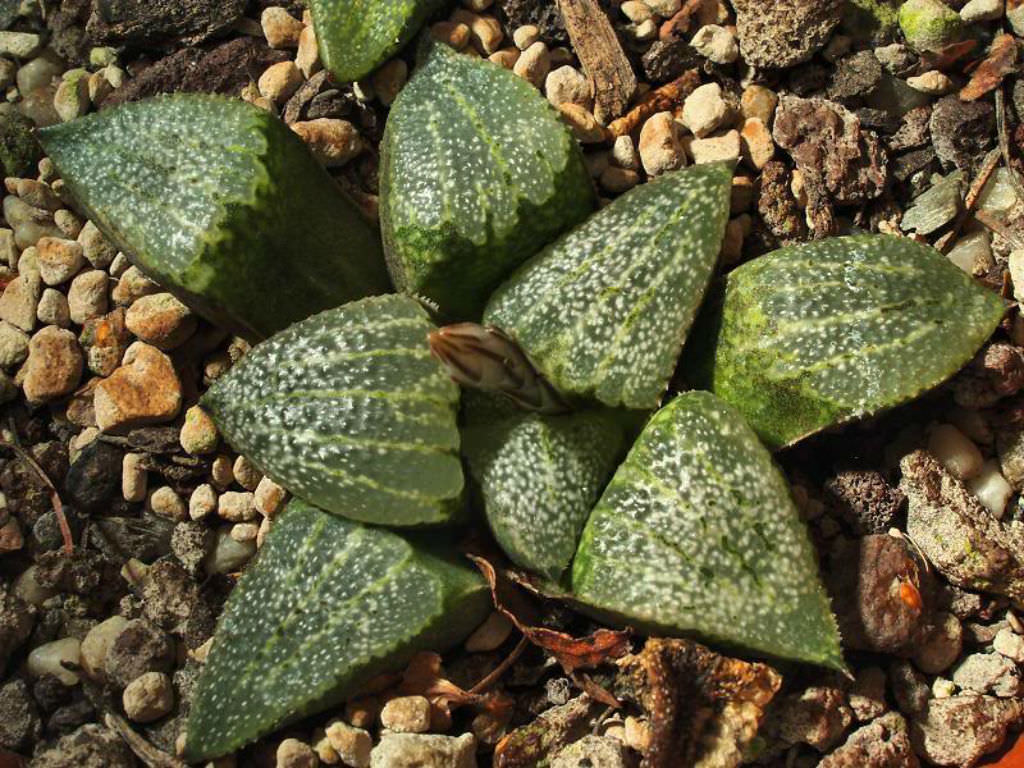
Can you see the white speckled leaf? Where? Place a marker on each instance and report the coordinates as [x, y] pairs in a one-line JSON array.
[[539, 476], [349, 411], [697, 535], [477, 174], [326, 605], [357, 36], [221, 203], [604, 311], [821, 334]]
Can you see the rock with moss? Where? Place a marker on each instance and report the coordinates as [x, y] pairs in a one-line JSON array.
[[930, 25], [19, 150]]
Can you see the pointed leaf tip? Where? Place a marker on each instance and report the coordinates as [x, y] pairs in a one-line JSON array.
[[696, 534]]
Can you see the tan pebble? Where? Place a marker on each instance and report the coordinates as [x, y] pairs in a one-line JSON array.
[[222, 472], [246, 474], [280, 28], [636, 11], [144, 390], [99, 88], [406, 714], [307, 57], [452, 33], [933, 82], [261, 535], [166, 503], [98, 251], [53, 309], [279, 81], [132, 285], [716, 43], [955, 451], [202, 502], [88, 295], [245, 532], [148, 697], [352, 744], [236, 506], [624, 153], [198, 432], [334, 142], [54, 366], [583, 124], [292, 753], [756, 143], [638, 734], [362, 712], [760, 102], [717, 149], [133, 477], [19, 302], [161, 319], [534, 64], [659, 146], [58, 259], [506, 57], [95, 645], [705, 110], [567, 84], [269, 496], [485, 31], [525, 36], [322, 746]]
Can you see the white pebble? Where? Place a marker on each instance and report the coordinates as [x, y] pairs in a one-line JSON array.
[[954, 450], [46, 659], [991, 488]]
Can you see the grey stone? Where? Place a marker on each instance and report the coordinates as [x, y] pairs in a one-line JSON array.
[[989, 673], [784, 32], [960, 730], [883, 743], [416, 750]]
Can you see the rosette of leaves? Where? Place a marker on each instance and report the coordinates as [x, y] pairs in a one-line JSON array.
[[603, 312], [357, 36], [697, 534], [349, 411], [477, 173], [327, 604], [817, 335], [220, 202], [539, 475]]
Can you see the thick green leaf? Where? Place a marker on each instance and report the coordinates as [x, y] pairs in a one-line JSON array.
[[327, 604], [349, 411], [697, 534], [477, 174], [357, 36], [821, 334], [604, 311], [220, 202], [539, 476]]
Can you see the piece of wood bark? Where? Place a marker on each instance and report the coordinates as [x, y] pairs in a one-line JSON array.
[[667, 98], [601, 54]]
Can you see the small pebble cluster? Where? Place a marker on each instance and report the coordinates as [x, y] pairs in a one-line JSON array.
[[101, 371]]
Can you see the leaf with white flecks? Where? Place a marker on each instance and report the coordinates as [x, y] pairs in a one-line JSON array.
[[696, 534], [328, 604], [603, 312], [477, 174], [817, 335], [539, 476], [349, 411], [221, 203]]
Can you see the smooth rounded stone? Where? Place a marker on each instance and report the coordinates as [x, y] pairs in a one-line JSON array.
[[87, 296], [13, 345], [148, 697], [38, 194], [59, 259], [222, 472], [1009, 644], [933, 82], [160, 319], [568, 84], [955, 451], [334, 142], [624, 153], [583, 124], [138, 648], [784, 32], [981, 10], [131, 286], [490, 635], [98, 251], [268, 497], [166, 503], [28, 222], [659, 145], [243, 532], [989, 673], [991, 488], [118, 267], [134, 477], [68, 223], [705, 110], [756, 143], [292, 753], [352, 745], [237, 506], [534, 64], [485, 32], [930, 25], [280, 28], [716, 43], [39, 72], [412, 750], [246, 474], [228, 555], [19, 302], [144, 390], [279, 81], [592, 750], [203, 502], [714, 149], [97, 643], [71, 100], [973, 253], [307, 58], [53, 308], [54, 365], [406, 714], [28, 589], [20, 45], [198, 432], [46, 660], [940, 646]]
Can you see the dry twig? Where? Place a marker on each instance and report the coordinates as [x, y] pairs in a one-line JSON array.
[[58, 506], [666, 98]]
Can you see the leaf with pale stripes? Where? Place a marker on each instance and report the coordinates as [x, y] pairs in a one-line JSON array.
[[539, 476], [327, 605], [697, 535], [817, 335], [477, 174], [349, 411], [357, 36], [220, 202], [603, 312]]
